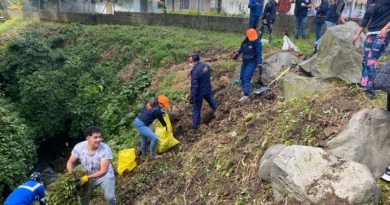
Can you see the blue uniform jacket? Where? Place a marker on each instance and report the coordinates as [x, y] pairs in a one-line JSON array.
[[200, 81], [151, 112], [26, 194], [251, 52], [256, 7]]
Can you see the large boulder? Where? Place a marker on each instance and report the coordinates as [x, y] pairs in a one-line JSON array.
[[300, 86], [266, 161], [366, 140], [272, 65], [310, 175], [337, 57]]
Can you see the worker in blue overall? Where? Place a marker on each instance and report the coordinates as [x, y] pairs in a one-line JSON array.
[[200, 88], [29, 192]]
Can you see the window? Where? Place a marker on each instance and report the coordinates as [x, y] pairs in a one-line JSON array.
[[184, 4]]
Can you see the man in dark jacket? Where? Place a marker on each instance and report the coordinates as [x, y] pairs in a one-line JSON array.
[[255, 11], [300, 13], [334, 13], [319, 21], [200, 88], [268, 18]]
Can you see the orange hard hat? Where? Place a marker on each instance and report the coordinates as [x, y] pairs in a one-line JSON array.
[[164, 100], [251, 34]]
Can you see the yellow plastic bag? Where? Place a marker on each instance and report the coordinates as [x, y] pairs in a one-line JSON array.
[[165, 136], [126, 160]]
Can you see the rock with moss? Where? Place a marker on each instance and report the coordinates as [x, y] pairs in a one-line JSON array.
[[266, 161], [365, 140], [337, 57], [300, 86], [310, 175], [274, 64]]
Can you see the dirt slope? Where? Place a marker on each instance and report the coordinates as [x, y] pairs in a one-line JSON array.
[[218, 164]]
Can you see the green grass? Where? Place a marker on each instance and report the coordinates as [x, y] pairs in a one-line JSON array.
[[13, 24]]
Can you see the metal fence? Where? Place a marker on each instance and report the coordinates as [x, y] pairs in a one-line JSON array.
[[353, 9]]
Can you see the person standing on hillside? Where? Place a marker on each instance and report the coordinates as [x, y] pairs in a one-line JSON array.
[[145, 118], [200, 88], [251, 50], [28, 193], [268, 18], [319, 21], [95, 158], [300, 13], [255, 11], [284, 7], [333, 16], [377, 20]]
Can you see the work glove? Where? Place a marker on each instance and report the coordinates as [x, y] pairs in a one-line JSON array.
[[235, 57], [83, 180]]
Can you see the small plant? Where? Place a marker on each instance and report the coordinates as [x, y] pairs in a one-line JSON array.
[[243, 197]]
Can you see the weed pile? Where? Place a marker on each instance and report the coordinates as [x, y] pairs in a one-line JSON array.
[[65, 191]]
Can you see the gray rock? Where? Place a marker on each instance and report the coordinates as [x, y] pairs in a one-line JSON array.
[[275, 63], [299, 86], [337, 57], [310, 175], [49, 176], [366, 140], [266, 161]]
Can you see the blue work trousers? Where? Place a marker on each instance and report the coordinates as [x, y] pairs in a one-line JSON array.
[[146, 133], [197, 108], [318, 30], [253, 22], [300, 26], [246, 73]]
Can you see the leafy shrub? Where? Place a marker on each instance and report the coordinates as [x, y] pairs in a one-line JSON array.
[[65, 191], [18, 152]]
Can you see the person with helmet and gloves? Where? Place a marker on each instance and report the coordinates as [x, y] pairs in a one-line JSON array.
[[95, 158], [251, 50], [145, 118], [29, 192], [200, 88]]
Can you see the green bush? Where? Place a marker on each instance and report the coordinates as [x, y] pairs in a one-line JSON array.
[[18, 152]]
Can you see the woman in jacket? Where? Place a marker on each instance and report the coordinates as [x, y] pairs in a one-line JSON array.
[[376, 19], [145, 118], [251, 50]]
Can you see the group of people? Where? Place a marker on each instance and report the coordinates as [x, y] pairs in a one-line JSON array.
[[96, 156]]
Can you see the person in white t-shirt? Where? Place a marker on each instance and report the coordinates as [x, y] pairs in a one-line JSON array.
[[95, 158]]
